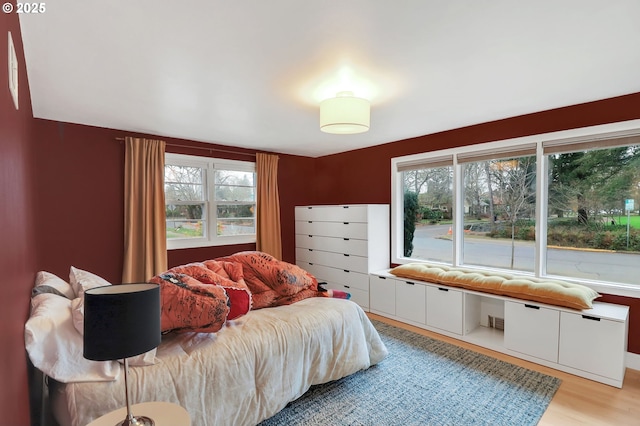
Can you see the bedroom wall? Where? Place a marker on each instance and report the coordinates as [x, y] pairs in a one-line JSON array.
[[18, 248], [80, 198], [363, 176]]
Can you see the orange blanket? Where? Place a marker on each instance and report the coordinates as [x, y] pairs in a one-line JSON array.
[[202, 296]]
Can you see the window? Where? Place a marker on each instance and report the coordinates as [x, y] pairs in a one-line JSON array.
[[563, 205], [428, 208], [209, 201]]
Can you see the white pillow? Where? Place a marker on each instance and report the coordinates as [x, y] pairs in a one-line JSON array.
[[83, 280], [55, 347], [47, 282], [77, 313]]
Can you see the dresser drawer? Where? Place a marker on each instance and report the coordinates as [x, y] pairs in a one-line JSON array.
[[335, 260], [361, 297], [332, 213], [336, 276], [532, 330], [336, 244], [333, 229]]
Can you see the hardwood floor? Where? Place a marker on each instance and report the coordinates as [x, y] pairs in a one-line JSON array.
[[578, 401]]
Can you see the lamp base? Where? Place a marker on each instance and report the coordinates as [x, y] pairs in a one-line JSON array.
[[137, 421]]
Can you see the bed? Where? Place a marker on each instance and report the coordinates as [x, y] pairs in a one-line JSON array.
[[244, 373]]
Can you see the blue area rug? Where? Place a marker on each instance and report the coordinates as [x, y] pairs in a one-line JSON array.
[[425, 381]]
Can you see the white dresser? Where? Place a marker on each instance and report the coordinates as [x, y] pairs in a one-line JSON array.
[[341, 245]]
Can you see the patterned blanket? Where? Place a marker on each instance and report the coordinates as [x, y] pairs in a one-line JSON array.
[[202, 296]]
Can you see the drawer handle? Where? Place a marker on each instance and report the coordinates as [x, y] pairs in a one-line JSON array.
[[346, 270], [531, 306], [345, 254], [410, 283], [443, 289], [310, 263], [310, 221], [346, 286], [383, 278], [591, 318], [310, 249], [345, 223], [310, 236], [345, 207], [346, 239]]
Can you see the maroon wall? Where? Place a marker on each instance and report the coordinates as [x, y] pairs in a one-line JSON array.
[[363, 176], [18, 248], [79, 214]]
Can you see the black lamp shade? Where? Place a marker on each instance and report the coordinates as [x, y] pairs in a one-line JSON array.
[[121, 321]]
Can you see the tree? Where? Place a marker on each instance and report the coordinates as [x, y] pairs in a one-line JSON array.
[[515, 186], [410, 212], [592, 182]]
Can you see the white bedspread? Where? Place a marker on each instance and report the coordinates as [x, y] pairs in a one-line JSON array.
[[249, 370]]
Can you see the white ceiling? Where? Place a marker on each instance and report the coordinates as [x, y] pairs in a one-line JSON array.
[[251, 73]]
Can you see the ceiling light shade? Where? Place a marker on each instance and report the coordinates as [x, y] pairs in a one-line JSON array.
[[345, 114]]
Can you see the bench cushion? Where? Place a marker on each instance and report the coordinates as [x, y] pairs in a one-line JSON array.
[[552, 292]]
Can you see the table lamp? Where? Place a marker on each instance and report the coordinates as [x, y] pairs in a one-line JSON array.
[[122, 321]]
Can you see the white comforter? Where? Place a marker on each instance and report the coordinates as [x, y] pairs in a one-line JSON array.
[[246, 372]]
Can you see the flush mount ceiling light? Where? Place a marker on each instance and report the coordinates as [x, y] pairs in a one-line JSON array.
[[345, 114]]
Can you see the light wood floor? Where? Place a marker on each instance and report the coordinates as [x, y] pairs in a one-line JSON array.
[[578, 401]]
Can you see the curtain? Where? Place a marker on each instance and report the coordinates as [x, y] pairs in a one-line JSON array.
[[268, 237], [145, 239]]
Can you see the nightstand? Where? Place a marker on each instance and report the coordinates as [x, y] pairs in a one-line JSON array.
[[162, 413]]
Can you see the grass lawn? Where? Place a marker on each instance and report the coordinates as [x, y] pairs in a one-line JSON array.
[[635, 221]]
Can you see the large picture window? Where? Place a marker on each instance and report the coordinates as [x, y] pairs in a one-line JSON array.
[[563, 205], [209, 201]]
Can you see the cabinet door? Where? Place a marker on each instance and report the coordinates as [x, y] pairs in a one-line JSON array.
[[532, 330], [382, 294], [411, 301], [592, 344], [444, 309]]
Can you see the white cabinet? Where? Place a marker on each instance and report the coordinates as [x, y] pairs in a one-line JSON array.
[[591, 342], [411, 301], [382, 295], [444, 309], [341, 245], [531, 329]]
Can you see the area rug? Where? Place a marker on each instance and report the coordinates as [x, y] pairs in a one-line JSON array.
[[425, 381]]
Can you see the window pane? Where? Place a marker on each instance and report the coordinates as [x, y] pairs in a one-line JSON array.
[[428, 201], [184, 183], [590, 233], [234, 186], [186, 221], [236, 219], [499, 213]]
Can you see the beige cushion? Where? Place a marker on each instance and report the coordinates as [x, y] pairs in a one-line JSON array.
[[552, 292]]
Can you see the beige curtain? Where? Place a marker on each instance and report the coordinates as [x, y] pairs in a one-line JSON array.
[[145, 240], [268, 233]]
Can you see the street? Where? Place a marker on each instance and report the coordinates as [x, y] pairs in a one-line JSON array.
[[432, 242]]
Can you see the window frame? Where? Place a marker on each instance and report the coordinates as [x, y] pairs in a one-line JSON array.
[[566, 138], [211, 165]]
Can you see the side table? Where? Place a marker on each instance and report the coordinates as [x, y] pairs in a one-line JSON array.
[[162, 413]]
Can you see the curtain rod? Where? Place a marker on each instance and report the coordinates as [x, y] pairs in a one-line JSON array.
[[204, 148]]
